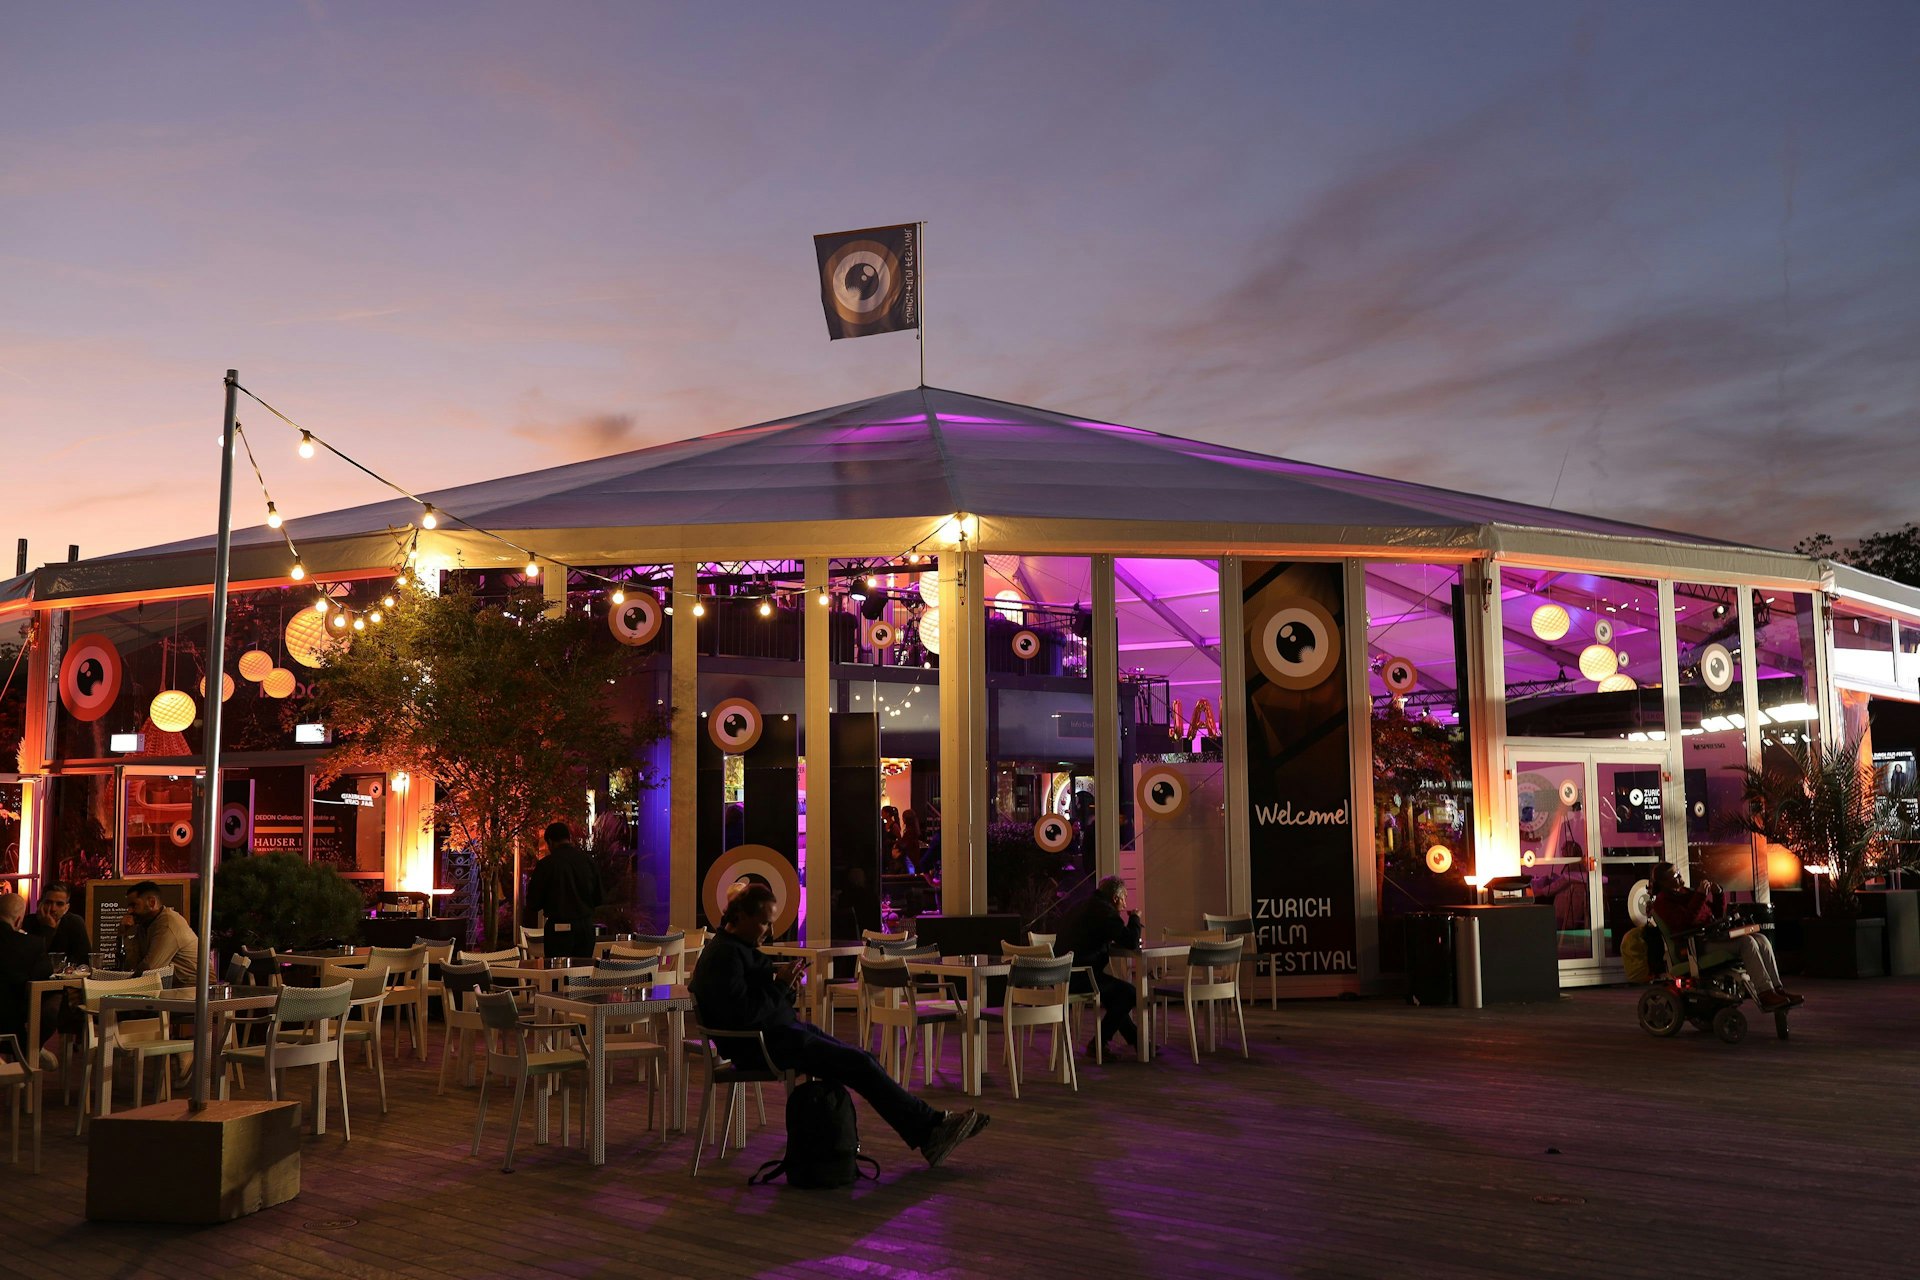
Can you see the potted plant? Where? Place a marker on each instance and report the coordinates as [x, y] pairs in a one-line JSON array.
[[1822, 804], [281, 900]]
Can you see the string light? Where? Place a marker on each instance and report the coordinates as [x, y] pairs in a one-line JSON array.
[[386, 601], [826, 597], [306, 444], [699, 609], [428, 520], [377, 616], [298, 571], [273, 516], [766, 608], [339, 620], [533, 568], [322, 605], [619, 596], [359, 624]]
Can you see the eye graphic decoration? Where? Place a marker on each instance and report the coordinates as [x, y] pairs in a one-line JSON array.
[[880, 634], [90, 677], [181, 833], [637, 621], [1439, 859], [1399, 676], [1053, 833], [864, 280], [1569, 793], [1025, 645], [1716, 668], [233, 826], [1296, 644], [1603, 632], [757, 864], [1161, 792], [735, 725]]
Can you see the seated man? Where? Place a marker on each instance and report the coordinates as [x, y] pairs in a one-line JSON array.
[[157, 936], [1680, 908], [65, 932], [737, 988], [22, 960]]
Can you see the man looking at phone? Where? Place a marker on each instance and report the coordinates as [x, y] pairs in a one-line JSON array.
[[738, 988]]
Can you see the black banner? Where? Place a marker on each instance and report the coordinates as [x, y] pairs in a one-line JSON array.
[[1299, 771], [870, 280]]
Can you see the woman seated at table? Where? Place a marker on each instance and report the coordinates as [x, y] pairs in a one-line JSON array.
[[1102, 924]]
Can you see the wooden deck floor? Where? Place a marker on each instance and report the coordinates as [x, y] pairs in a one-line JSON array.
[[1364, 1138]]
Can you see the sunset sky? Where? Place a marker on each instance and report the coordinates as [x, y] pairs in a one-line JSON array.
[[1657, 262]]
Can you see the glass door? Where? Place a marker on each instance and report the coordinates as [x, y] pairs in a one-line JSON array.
[[1590, 827]]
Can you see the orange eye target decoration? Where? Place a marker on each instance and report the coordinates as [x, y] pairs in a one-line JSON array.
[[1399, 676], [180, 834], [637, 620], [753, 863], [1161, 792], [880, 634], [90, 677], [735, 725], [1439, 859], [1296, 644], [1053, 833], [1025, 645]]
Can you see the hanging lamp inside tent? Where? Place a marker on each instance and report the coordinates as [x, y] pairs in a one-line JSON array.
[[930, 631], [1597, 662], [1551, 621]]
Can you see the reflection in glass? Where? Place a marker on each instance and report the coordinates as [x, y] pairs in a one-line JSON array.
[[1582, 654]]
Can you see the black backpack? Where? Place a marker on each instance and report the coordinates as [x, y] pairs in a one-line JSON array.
[[823, 1140]]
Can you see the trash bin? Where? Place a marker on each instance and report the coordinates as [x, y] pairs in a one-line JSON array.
[[1430, 965]]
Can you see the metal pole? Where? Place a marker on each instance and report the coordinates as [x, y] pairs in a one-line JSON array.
[[210, 795], [920, 299]]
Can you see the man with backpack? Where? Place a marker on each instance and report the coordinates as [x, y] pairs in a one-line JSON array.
[[738, 988]]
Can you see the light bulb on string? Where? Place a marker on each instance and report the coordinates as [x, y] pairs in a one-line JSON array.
[[766, 608], [386, 602], [826, 598], [273, 516], [872, 581], [322, 605], [377, 616], [533, 568], [618, 596], [298, 571], [428, 520], [306, 444], [699, 609], [400, 580], [359, 624], [339, 621]]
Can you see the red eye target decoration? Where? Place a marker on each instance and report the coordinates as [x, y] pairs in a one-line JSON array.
[[1025, 644], [90, 677], [1399, 676], [181, 833], [734, 725], [1161, 792], [881, 635], [637, 621], [1296, 644], [753, 862], [1053, 833]]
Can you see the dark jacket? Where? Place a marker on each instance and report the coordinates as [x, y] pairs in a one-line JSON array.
[[1095, 931], [22, 960], [735, 988], [1687, 909], [566, 885], [68, 939]]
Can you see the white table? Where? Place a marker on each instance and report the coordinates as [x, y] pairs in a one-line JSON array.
[[1140, 961], [974, 972], [624, 1004], [820, 957], [222, 1001]]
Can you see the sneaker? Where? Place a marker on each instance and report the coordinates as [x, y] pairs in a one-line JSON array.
[[954, 1128], [1793, 1001], [1773, 1001]]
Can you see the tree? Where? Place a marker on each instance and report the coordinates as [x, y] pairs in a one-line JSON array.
[[1891, 553], [511, 713]]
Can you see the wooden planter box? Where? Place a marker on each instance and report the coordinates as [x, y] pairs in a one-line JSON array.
[[162, 1164], [1844, 946], [1900, 908]]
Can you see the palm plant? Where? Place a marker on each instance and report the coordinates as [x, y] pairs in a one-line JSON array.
[[1821, 803]]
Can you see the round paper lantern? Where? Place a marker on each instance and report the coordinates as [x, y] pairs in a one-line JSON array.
[[279, 683], [1550, 622], [1009, 605], [307, 640], [226, 686], [172, 711], [1597, 662], [254, 665], [930, 630], [1618, 683], [929, 587]]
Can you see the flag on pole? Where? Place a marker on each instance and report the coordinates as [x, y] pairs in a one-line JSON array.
[[870, 280]]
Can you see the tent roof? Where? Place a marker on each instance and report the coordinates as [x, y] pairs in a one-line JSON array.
[[930, 452]]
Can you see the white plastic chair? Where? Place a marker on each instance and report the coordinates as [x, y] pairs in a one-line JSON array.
[[305, 1032], [1037, 997]]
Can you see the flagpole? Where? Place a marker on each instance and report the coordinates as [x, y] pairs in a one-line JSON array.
[[920, 300]]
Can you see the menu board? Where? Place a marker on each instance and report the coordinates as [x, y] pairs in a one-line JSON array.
[[106, 907]]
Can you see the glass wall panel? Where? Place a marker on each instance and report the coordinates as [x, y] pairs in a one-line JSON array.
[[1582, 655], [81, 813], [630, 811], [161, 816], [1713, 731], [1172, 846], [1862, 646], [1039, 734], [1786, 669], [12, 803], [1422, 754]]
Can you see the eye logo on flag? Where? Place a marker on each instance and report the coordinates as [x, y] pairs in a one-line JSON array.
[[1716, 668], [1296, 643], [1025, 645], [90, 677], [638, 620], [755, 864], [870, 280], [1399, 675], [1053, 833], [1161, 792], [233, 826], [181, 833], [881, 635], [734, 725]]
